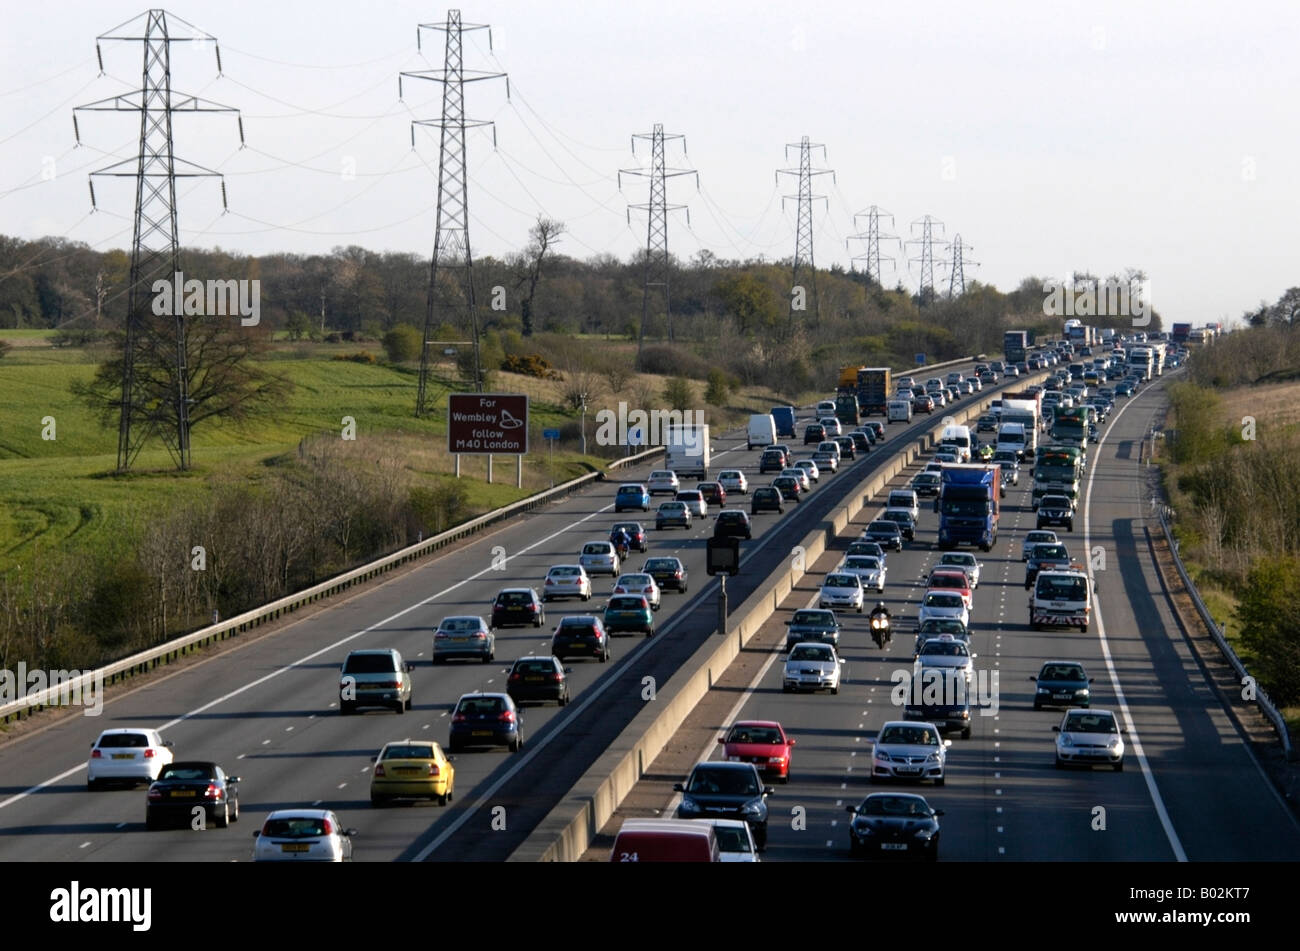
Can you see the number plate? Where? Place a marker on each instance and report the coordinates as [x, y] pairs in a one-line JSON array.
[[533, 680], [123, 756], [578, 644], [408, 770], [460, 639], [482, 733], [894, 846], [908, 770], [182, 793], [295, 847]]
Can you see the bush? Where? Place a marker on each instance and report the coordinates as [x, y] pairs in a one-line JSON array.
[[718, 389], [668, 360], [403, 343], [1270, 618], [361, 356], [530, 364], [435, 509]]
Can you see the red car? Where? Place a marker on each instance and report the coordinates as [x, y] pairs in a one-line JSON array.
[[954, 581], [923, 404], [761, 742], [713, 493]]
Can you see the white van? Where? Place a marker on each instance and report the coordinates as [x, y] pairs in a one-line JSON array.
[[957, 440], [762, 431], [900, 411], [1011, 438]]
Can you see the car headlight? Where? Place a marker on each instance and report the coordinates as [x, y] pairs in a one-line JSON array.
[[690, 805], [1081, 693], [1043, 690], [924, 834], [733, 759], [1114, 743], [882, 756], [776, 759], [754, 808], [932, 758], [1066, 740]]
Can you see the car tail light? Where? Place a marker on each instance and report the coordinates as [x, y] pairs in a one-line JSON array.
[[507, 716], [557, 677], [96, 754], [441, 635], [266, 829], [154, 793], [327, 827], [148, 753], [677, 574], [647, 590], [460, 718], [549, 581], [533, 607], [480, 635], [433, 769], [514, 677], [379, 769], [212, 792]]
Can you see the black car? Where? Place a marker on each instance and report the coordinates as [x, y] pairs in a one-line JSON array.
[[905, 522], [878, 428], [861, 442], [486, 719], [635, 531], [902, 823], [848, 449], [1045, 557], [538, 680], [582, 634], [812, 624], [766, 499], [726, 791], [814, 433], [988, 423], [1055, 510], [669, 573], [947, 706], [788, 486], [517, 607], [183, 785], [732, 523], [884, 533], [1062, 683], [771, 460], [864, 547]]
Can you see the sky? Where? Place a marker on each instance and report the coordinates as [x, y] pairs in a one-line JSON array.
[[1052, 137]]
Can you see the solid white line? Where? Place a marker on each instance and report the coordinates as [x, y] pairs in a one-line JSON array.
[[1165, 822]]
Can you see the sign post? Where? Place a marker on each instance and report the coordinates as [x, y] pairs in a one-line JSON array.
[[487, 423], [550, 435], [723, 559]]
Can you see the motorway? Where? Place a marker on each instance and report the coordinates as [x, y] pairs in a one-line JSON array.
[[1191, 790], [267, 710]]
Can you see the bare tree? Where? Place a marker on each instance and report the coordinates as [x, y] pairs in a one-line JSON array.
[[542, 236]]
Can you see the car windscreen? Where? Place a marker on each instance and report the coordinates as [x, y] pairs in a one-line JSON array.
[[1058, 588], [754, 734], [123, 740], [298, 828], [1090, 723], [841, 581], [661, 564], [188, 771], [458, 624], [514, 598], [731, 839], [408, 751], [813, 618], [1061, 672], [595, 549], [626, 603], [725, 782], [810, 653], [894, 806], [534, 667], [909, 735], [943, 600]]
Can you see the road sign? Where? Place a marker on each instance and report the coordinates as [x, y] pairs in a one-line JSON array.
[[920, 359], [723, 556], [480, 423], [550, 434]]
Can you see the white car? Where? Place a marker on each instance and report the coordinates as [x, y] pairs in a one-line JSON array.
[[943, 604], [642, 584], [567, 581], [965, 561], [599, 558], [663, 480], [827, 460], [832, 426], [733, 480], [303, 835], [800, 475], [812, 666], [1089, 736], [906, 383], [735, 840], [1037, 536], [841, 589], [127, 754], [909, 749], [869, 569], [695, 502], [826, 408], [831, 446], [809, 466], [947, 654]]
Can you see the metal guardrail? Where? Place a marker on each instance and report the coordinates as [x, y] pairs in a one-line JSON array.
[[186, 643], [164, 653], [1262, 700]]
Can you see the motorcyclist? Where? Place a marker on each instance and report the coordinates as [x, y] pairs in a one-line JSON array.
[[622, 542], [885, 635]]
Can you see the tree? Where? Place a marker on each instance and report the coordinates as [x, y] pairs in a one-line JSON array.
[[717, 391], [1286, 312], [749, 300], [1270, 618], [678, 393], [224, 379], [298, 325], [542, 237]]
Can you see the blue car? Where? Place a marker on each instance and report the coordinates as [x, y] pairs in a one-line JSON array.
[[812, 624], [486, 719], [632, 496]]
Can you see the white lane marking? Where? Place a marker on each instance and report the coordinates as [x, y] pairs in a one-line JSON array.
[[341, 785], [119, 825], [1165, 822], [83, 845], [318, 802]]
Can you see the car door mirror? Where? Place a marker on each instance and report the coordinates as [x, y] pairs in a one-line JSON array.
[[936, 812], [1033, 678], [768, 791], [791, 742], [678, 787], [722, 739], [568, 670], [852, 810], [947, 744], [1091, 679], [169, 743], [409, 667], [233, 779], [256, 833], [349, 832], [1056, 729]]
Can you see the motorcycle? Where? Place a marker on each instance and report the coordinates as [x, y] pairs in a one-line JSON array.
[[880, 632], [623, 550]]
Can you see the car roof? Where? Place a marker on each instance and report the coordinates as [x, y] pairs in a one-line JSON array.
[[720, 764], [382, 650], [550, 657], [301, 814], [128, 729], [756, 723]]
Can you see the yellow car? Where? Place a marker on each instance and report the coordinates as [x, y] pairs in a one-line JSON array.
[[409, 769]]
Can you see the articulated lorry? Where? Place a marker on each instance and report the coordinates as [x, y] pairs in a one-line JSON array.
[[968, 505], [1057, 471], [875, 390], [1015, 345], [1070, 428], [687, 450]]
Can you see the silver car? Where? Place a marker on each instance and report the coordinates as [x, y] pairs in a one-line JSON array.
[[374, 678], [809, 466], [812, 666], [642, 584], [801, 474], [965, 561], [303, 835], [463, 636], [733, 480], [945, 654], [869, 569], [599, 558], [1037, 536], [663, 480], [906, 749], [1090, 737]]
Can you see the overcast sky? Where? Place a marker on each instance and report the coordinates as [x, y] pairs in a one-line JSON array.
[[1051, 136]]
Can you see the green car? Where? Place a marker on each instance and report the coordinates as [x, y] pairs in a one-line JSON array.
[[629, 613]]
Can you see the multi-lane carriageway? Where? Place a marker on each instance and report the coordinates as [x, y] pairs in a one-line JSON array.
[[1190, 789], [267, 708]]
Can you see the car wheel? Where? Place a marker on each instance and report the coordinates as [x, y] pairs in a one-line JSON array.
[[545, 598], [939, 781], [587, 596], [1037, 705], [933, 854], [1119, 767], [488, 658], [234, 815], [442, 800], [92, 784], [401, 707], [563, 701], [605, 656], [785, 688], [223, 820], [347, 707], [1060, 763], [539, 620], [965, 734], [378, 802], [150, 823], [835, 689], [650, 632], [516, 744], [408, 702], [859, 609], [683, 589]]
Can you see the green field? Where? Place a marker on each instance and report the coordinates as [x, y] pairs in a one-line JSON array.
[[63, 492]]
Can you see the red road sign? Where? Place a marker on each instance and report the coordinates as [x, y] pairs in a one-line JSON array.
[[487, 423]]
